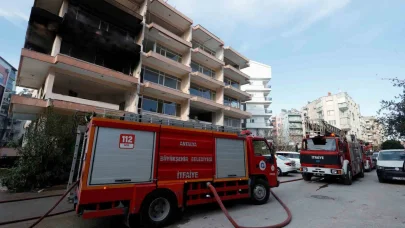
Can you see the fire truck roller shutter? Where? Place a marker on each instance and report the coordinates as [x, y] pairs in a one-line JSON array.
[[230, 158], [115, 163]]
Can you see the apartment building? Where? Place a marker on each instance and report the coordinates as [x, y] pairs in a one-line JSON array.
[[373, 131], [259, 88], [7, 89], [291, 127], [339, 110], [128, 56]]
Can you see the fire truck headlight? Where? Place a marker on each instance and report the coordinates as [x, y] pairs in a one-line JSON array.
[[334, 171], [380, 167], [304, 169]]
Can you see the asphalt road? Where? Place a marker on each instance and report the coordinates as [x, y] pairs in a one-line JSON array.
[[320, 203]]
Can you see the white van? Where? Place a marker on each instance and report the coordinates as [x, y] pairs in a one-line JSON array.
[[391, 165], [295, 156]]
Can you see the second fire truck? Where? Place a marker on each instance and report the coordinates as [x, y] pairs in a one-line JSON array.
[[326, 151]]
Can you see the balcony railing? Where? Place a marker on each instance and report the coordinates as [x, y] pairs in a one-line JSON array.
[[268, 98], [268, 111], [343, 105], [202, 47]]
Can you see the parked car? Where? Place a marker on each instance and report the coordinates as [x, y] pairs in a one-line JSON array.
[[295, 156], [375, 156], [284, 165], [391, 165]]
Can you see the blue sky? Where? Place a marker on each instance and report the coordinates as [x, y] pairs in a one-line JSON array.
[[313, 46]]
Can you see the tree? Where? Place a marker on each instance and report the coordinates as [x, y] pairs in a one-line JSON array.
[[46, 157], [393, 112], [391, 144]]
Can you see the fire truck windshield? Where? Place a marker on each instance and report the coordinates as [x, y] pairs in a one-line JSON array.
[[321, 144]]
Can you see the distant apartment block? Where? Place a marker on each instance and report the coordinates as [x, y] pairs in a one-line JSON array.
[[7, 89], [373, 131], [290, 126], [339, 110], [129, 56], [259, 88]]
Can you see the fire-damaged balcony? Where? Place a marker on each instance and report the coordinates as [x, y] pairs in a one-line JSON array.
[[89, 38], [42, 29]]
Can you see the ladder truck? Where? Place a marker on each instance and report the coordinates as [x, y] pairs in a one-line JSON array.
[[326, 151], [154, 167]]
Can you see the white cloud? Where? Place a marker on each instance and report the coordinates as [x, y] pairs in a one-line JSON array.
[[291, 16], [16, 12]]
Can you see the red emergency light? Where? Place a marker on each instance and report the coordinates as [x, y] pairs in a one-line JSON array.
[[245, 132]]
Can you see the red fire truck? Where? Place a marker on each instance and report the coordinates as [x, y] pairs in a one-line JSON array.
[[326, 151], [154, 167]]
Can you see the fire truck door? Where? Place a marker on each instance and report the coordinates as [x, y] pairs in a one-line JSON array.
[[263, 161]]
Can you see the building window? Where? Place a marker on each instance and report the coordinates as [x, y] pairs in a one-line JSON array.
[[202, 92], [168, 53], [331, 113], [199, 68], [231, 82], [332, 122], [159, 106], [231, 122], [232, 102], [149, 45], [158, 77], [252, 120], [202, 47]]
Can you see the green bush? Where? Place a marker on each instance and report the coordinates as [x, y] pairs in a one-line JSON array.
[[391, 144], [47, 155]]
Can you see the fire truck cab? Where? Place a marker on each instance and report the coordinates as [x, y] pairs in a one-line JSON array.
[[154, 167], [330, 154]]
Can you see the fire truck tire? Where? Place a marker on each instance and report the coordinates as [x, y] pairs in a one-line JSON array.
[[260, 192], [158, 209], [361, 174], [381, 179], [348, 179], [307, 176]]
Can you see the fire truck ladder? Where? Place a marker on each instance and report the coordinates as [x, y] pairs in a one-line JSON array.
[[321, 127]]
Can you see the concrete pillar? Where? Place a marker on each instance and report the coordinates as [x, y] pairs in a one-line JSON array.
[[220, 53], [219, 74], [184, 110], [56, 45], [186, 58], [63, 9], [188, 34], [218, 118], [142, 8], [131, 100], [48, 86], [185, 84], [219, 96]]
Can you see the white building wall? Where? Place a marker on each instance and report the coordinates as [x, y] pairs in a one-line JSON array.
[[259, 88]]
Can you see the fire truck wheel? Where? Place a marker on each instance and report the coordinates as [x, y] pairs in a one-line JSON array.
[[361, 174], [307, 176], [348, 177], [157, 209], [279, 172], [260, 192]]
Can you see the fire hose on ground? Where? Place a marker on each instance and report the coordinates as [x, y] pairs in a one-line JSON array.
[[231, 220], [47, 214]]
